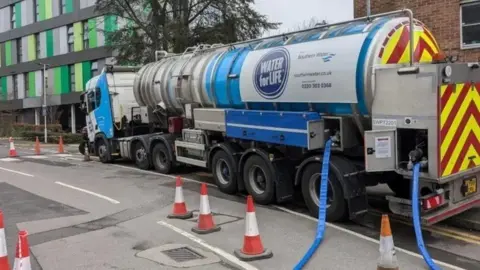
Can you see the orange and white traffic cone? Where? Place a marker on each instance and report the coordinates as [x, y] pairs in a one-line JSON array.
[[22, 256], [60, 145], [3, 246], [12, 152], [252, 243], [179, 205], [388, 258], [205, 222], [37, 146]]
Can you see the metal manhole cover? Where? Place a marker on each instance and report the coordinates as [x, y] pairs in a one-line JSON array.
[[183, 254]]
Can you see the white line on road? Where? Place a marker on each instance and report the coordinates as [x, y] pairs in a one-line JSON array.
[[89, 192], [17, 172], [216, 250], [361, 236]]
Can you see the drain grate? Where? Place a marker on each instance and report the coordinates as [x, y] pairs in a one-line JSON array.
[[183, 254]]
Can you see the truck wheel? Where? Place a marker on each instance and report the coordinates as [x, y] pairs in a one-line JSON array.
[[336, 204], [81, 148], [141, 156], [103, 151], [161, 159], [259, 180], [222, 170]]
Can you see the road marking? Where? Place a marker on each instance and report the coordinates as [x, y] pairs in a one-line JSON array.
[[89, 192], [166, 175], [218, 251], [62, 155], [17, 172], [8, 159], [458, 235], [36, 157], [361, 236]]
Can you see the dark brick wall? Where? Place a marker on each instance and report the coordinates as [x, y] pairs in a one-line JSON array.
[[442, 17]]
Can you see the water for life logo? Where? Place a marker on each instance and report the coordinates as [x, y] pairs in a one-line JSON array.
[[271, 73]]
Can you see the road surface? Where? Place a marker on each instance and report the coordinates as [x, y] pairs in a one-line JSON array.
[[88, 215]]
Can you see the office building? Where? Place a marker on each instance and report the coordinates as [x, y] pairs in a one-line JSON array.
[[66, 35]]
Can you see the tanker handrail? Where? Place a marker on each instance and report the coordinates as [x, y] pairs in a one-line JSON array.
[[385, 14], [109, 68]]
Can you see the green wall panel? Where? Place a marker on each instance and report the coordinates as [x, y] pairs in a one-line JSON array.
[[4, 90], [77, 36], [31, 84], [18, 15], [48, 9], [69, 5], [41, 9], [31, 48], [110, 26], [92, 33], [65, 79], [78, 77], [8, 53], [49, 43], [86, 72]]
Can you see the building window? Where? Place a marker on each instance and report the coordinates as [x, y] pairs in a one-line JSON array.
[[27, 84], [70, 38], [12, 21], [71, 70], [470, 31], [94, 69], [15, 87], [19, 50], [37, 46], [63, 6], [36, 10], [85, 35]]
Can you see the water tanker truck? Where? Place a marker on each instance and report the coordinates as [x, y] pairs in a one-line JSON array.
[[258, 113]]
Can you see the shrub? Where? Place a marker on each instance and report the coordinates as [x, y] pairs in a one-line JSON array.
[[52, 137]]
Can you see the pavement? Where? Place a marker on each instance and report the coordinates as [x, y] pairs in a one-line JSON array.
[[88, 215]]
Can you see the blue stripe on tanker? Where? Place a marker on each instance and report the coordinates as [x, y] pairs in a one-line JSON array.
[[223, 100], [288, 128]]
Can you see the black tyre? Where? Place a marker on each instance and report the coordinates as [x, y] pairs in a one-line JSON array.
[[337, 209], [161, 159], [81, 147], [103, 151], [140, 156], [259, 180], [222, 170]]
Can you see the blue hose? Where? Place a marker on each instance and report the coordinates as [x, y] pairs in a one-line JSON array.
[[322, 209], [416, 220]]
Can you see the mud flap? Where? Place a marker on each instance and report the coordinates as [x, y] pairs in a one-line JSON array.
[[284, 184]]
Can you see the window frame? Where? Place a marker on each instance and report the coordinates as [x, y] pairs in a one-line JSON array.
[[71, 73], [26, 83], [15, 86], [70, 34], [62, 7], [94, 68], [462, 45], [38, 49], [85, 35], [36, 11], [19, 48], [12, 16]]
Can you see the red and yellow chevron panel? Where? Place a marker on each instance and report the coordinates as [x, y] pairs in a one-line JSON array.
[[395, 48], [459, 127]]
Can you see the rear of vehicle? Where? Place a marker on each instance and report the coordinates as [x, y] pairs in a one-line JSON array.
[[434, 120]]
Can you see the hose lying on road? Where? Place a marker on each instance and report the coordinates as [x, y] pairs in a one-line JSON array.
[[416, 220], [322, 209]]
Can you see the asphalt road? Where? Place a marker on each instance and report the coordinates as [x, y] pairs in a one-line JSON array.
[[88, 215]]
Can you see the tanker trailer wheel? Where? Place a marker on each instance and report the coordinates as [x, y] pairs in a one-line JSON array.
[[140, 156], [222, 170], [259, 179], [161, 159], [103, 151], [336, 204]]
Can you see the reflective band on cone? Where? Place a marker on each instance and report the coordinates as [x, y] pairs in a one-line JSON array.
[[388, 258], [179, 205], [252, 244], [12, 152], [22, 256], [3, 246], [205, 222]]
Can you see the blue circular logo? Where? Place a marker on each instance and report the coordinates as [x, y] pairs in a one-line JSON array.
[[271, 73]]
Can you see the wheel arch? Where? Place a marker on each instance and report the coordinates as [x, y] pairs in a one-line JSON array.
[[165, 140]]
